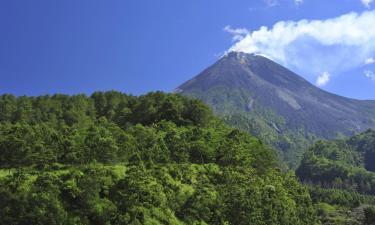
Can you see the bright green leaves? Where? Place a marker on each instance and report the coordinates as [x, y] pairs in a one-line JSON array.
[[154, 159]]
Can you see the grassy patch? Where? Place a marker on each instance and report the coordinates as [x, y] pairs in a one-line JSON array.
[[5, 172]]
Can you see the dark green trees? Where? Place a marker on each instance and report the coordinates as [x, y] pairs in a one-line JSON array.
[[340, 178], [154, 159], [342, 164]]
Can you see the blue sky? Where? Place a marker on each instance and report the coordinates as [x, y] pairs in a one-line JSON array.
[[136, 46]]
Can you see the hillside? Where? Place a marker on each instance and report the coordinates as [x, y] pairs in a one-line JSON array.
[[275, 104], [155, 159], [344, 163], [341, 172]]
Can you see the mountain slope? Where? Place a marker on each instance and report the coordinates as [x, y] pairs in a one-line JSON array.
[[343, 163], [252, 87], [340, 173]]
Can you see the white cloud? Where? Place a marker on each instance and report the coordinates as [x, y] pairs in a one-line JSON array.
[[271, 3], [298, 2], [238, 33], [367, 3], [311, 46], [369, 61], [369, 74], [323, 79]]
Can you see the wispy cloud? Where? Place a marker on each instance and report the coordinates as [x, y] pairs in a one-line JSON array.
[[369, 61], [238, 33], [298, 2], [369, 74], [271, 3], [367, 3], [267, 4], [311, 46], [323, 79]]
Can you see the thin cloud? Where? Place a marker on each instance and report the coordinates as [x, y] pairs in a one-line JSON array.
[[271, 3], [238, 33], [298, 2], [311, 46], [369, 74], [367, 3], [323, 79], [369, 61]]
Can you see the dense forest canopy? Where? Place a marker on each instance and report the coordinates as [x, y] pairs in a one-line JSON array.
[[340, 173], [160, 158], [346, 163]]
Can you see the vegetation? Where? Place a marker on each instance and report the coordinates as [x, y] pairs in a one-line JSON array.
[[346, 163], [271, 129], [155, 159], [240, 109], [341, 173]]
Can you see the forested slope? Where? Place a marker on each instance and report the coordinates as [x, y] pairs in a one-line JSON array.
[[341, 173], [160, 158]]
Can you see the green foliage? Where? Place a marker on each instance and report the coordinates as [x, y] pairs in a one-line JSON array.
[[243, 110], [341, 164], [341, 197], [154, 159], [271, 129], [340, 173], [369, 215]]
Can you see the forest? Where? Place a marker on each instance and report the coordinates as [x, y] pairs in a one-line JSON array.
[[112, 158], [340, 173]]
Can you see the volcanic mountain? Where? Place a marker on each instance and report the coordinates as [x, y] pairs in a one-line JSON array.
[[280, 107]]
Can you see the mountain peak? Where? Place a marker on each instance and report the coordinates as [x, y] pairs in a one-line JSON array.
[[242, 70], [238, 79], [243, 57]]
